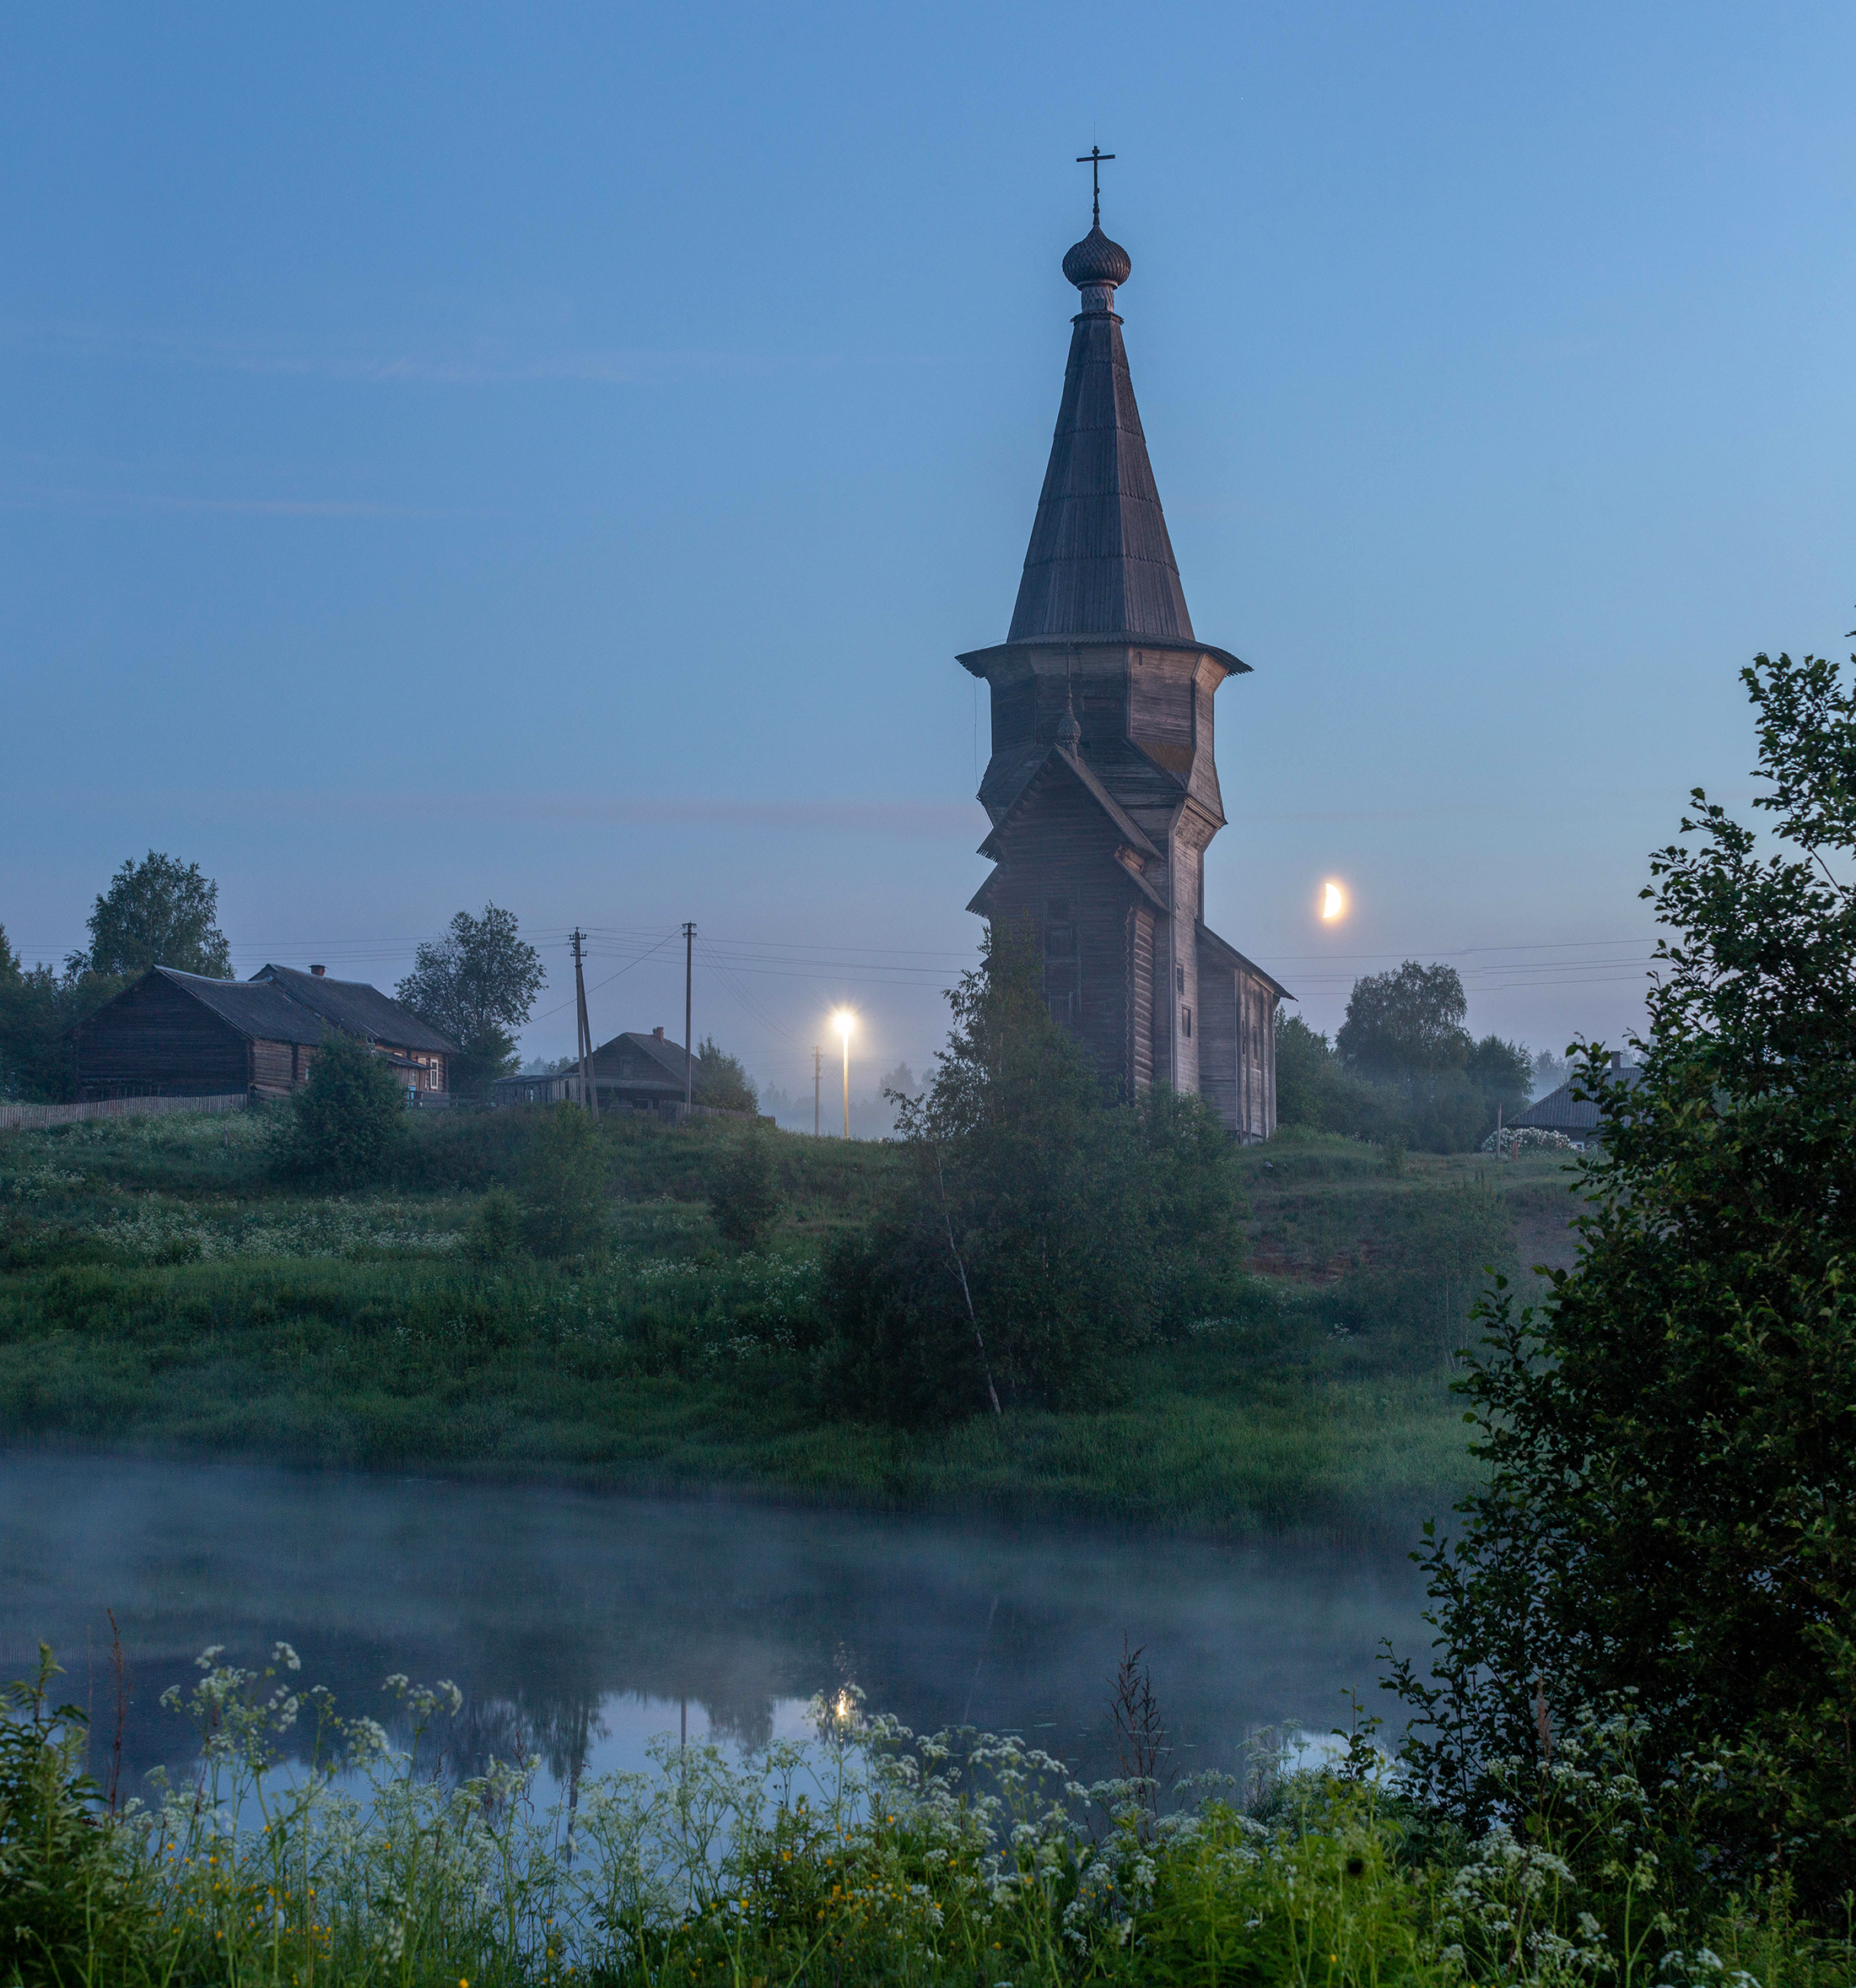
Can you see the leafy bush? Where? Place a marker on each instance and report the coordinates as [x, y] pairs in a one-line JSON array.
[[744, 1197], [565, 1185], [349, 1121], [494, 1233], [58, 1870], [1037, 1233], [1670, 1520]]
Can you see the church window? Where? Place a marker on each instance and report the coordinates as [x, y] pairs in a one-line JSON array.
[[1179, 979], [1185, 1018], [1062, 968]]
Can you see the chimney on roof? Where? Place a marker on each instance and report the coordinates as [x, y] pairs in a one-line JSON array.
[[1618, 1058], [319, 972], [659, 1034]]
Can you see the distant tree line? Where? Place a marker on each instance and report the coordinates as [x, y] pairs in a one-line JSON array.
[[1403, 1069]]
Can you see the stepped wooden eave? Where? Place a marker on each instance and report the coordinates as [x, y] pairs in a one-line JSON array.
[[981, 662], [1130, 830]]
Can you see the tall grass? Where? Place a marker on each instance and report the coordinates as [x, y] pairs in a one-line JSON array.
[[308, 1847]]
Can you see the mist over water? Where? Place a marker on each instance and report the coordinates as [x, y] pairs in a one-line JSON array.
[[583, 1623]]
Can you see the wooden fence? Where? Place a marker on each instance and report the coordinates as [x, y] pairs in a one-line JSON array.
[[34, 1117]]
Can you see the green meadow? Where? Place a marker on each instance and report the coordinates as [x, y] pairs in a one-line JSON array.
[[163, 1289]]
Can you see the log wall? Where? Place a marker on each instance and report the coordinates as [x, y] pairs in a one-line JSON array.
[[155, 1038]]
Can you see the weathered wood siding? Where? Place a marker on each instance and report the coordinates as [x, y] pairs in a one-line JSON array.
[[1142, 926], [1219, 1030], [1256, 1107], [1057, 871], [274, 1068], [1160, 708], [153, 1038]]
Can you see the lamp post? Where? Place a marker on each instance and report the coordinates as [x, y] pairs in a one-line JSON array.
[[844, 1021]]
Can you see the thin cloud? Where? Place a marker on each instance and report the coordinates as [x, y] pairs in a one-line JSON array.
[[127, 503], [933, 820], [488, 364]]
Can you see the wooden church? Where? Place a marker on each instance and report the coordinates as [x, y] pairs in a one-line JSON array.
[[1102, 788]]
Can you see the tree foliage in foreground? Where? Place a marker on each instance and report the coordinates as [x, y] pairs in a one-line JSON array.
[[157, 912], [477, 984], [1671, 1510], [1038, 1232]]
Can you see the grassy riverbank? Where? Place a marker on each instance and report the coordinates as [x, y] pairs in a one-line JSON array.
[[310, 1849], [161, 1289]]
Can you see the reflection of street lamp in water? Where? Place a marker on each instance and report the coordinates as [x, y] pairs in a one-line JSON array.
[[844, 1021]]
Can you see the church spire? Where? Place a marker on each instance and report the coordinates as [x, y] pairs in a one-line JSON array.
[[1100, 562]]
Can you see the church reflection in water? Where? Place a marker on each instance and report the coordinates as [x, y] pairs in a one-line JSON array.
[[577, 1625]]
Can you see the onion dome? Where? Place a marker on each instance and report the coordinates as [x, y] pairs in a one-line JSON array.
[[1097, 260], [1068, 732]]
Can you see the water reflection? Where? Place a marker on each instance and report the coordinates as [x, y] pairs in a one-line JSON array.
[[577, 1625]]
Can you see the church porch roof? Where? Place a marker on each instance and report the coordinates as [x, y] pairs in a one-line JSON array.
[[1228, 955]]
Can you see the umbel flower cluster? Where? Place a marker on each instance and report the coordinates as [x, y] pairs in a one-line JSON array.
[[310, 1845]]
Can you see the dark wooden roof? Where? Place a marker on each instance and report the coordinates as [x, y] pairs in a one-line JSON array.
[[1130, 830], [665, 1061], [355, 1008], [1222, 949], [263, 1012], [1100, 561], [1560, 1111]]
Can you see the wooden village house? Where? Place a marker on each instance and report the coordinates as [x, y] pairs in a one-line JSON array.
[[182, 1035], [1577, 1118], [1101, 788], [631, 1072]]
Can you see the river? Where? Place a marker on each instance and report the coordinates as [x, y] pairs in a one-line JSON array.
[[585, 1622]]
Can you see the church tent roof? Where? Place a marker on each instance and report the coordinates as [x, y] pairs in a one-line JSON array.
[[1100, 561]]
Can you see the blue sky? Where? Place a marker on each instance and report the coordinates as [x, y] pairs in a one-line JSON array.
[[554, 457]]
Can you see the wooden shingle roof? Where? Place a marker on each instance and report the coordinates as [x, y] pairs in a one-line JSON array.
[[355, 1008], [263, 1013], [1100, 561]]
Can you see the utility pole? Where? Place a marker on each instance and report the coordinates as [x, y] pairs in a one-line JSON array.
[[847, 1083], [818, 1069], [690, 1068], [589, 1098]]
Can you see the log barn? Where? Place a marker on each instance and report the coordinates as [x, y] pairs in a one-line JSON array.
[[1102, 786]]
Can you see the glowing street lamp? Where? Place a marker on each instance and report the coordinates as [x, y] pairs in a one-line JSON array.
[[844, 1021]]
